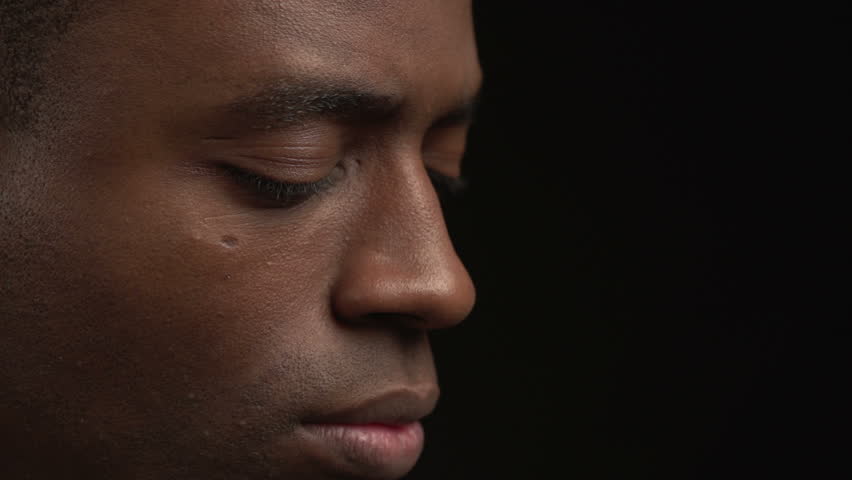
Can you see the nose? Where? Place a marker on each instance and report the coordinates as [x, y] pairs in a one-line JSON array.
[[400, 267]]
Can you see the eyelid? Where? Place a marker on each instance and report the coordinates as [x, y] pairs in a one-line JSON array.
[[444, 149], [290, 194], [283, 163], [454, 185], [448, 188], [285, 159], [295, 145], [295, 155], [305, 132], [284, 194]]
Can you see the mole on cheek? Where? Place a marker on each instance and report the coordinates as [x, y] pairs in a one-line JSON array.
[[229, 241]]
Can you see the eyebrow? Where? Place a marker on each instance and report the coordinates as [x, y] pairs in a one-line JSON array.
[[286, 103]]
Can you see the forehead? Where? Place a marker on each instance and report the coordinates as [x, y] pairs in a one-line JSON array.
[[402, 48]]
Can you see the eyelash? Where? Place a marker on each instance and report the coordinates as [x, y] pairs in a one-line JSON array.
[[290, 194], [448, 188], [283, 194]]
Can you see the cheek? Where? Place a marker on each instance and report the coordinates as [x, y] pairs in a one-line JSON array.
[[170, 311], [177, 299], [222, 296]]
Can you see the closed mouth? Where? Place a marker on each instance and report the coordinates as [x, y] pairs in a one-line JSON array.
[[380, 437]]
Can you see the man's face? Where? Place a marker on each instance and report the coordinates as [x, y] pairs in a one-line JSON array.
[[224, 251]]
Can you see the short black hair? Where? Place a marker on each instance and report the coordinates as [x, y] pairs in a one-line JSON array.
[[29, 29]]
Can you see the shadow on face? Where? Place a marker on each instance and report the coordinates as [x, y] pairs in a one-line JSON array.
[[222, 247]]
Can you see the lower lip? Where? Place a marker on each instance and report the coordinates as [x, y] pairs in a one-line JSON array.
[[381, 450]]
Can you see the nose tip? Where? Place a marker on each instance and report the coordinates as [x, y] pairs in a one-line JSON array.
[[440, 295]]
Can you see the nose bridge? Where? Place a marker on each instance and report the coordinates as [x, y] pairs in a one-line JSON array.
[[407, 222], [401, 265]]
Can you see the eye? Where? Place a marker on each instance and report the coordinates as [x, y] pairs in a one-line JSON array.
[[448, 188], [283, 194], [278, 194]]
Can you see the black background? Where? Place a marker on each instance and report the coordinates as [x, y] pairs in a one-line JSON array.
[[655, 223]]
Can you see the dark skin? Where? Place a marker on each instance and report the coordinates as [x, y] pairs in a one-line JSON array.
[[165, 319]]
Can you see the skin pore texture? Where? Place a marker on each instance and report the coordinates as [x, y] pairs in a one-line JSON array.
[[223, 229]]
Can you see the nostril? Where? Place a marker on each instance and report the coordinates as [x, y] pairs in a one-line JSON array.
[[395, 317], [415, 302], [410, 326]]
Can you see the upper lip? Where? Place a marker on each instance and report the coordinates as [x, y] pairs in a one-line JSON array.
[[398, 406]]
